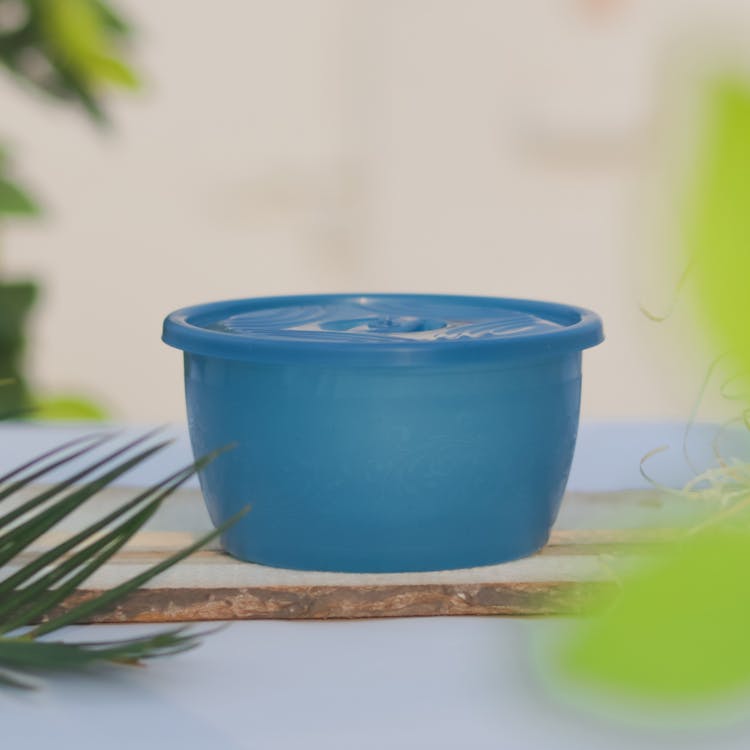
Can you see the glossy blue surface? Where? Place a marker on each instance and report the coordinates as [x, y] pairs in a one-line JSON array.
[[390, 467]]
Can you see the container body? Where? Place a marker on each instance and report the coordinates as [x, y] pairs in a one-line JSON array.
[[385, 469]]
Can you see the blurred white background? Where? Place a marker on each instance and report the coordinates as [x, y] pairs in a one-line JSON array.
[[477, 147]]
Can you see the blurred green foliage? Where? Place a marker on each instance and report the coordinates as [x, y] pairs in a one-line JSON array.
[[68, 49], [679, 632], [72, 51], [717, 218], [68, 408], [14, 199], [16, 300]]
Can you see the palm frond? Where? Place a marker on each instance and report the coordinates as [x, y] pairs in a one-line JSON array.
[[6, 490], [31, 594], [5, 478]]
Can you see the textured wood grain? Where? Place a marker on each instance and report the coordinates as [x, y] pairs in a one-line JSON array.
[[356, 602]]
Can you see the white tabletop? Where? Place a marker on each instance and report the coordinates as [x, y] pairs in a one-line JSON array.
[[403, 683]]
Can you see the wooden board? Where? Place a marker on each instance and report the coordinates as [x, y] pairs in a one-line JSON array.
[[578, 564]]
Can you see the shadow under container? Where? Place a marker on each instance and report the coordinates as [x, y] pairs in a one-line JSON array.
[[384, 433]]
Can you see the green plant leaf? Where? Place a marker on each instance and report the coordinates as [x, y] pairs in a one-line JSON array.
[[21, 606], [164, 488], [33, 591], [68, 409], [716, 223], [15, 201], [57, 450], [113, 70], [90, 607], [112, 20], [24, 654], [78, 31], [21, 536], [677, 634], [42, 497], [79, 45]]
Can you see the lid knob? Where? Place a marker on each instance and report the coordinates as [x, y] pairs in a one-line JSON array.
[[385, 324]]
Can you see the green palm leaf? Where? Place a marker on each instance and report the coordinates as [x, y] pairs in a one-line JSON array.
[[30, 594]]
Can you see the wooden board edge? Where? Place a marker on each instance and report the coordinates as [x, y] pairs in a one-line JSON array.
[[348, 603]]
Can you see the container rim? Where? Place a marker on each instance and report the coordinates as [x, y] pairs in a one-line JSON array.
[[579, 329]]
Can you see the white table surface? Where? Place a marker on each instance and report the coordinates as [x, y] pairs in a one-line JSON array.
[[403, 683]]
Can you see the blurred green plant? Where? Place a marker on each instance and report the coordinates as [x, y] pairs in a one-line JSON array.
[[15, 200], [717, 218], [68, 49], [677, 635], [16, 299], [72, 51]]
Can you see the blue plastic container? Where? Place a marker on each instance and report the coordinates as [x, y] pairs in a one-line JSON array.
[[384, 432]]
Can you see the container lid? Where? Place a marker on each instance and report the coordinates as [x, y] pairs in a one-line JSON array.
[[380, 329]]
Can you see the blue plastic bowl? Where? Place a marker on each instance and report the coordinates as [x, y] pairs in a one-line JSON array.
[[381, 433]]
